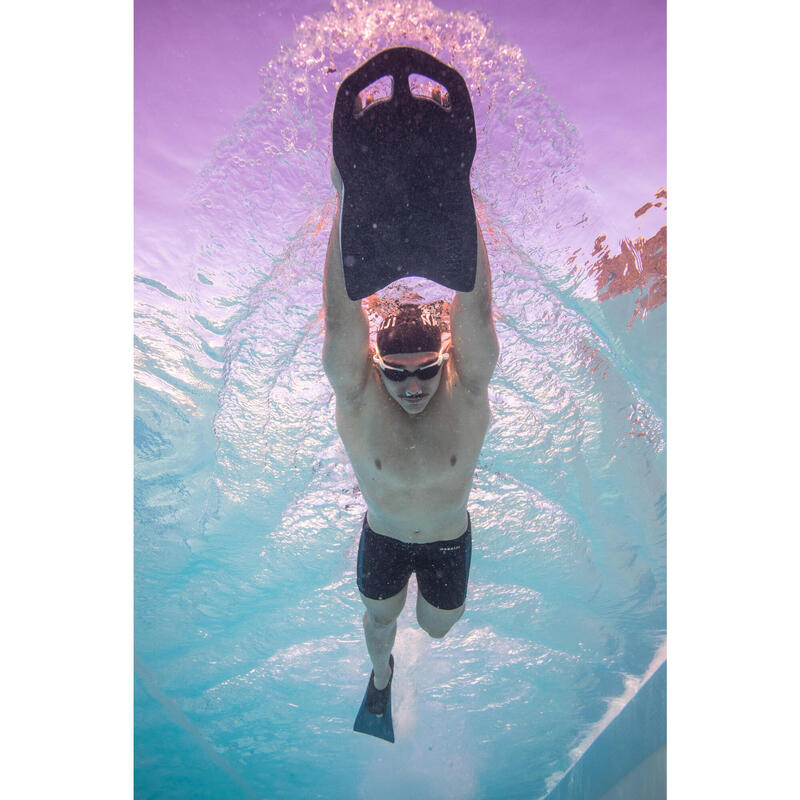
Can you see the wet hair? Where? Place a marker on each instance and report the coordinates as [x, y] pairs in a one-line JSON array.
[[411, 330]]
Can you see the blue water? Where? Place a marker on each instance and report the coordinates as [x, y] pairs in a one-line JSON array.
[[250, 662]]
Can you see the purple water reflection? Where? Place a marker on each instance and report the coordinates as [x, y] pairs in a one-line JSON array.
[[197, 63]]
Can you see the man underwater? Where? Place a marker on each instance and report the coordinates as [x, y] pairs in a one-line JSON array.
[[412, 419]]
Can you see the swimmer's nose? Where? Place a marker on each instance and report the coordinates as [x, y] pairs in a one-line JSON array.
[[414, 386]]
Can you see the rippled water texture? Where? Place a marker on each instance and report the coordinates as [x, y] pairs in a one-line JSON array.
[[250, 657]]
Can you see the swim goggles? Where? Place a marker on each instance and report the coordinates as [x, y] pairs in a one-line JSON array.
[[424, 373]]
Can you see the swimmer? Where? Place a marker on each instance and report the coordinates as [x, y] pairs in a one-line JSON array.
[[412, 418]]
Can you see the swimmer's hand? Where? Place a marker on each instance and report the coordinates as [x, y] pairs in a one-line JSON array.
[[336, 178]]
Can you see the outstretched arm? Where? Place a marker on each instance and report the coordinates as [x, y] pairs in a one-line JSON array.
[[474, 341], [346, 349]]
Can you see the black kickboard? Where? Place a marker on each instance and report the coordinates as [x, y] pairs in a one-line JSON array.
[[380, 727], [405, 163]]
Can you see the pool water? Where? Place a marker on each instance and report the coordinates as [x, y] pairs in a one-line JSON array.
[[250, 661]]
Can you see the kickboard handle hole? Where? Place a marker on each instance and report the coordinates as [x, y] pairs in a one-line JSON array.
[[378, 91], [423, 86], [381, 90]]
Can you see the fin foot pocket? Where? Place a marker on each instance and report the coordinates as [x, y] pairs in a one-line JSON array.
[[377, 724]]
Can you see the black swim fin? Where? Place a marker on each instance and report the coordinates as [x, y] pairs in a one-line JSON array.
[[405, 163], [374, 725]]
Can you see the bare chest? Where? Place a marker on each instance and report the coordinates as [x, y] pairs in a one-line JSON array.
[[425, 462]]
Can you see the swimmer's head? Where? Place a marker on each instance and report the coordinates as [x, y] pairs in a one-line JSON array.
[[410, 330], [409, 358]]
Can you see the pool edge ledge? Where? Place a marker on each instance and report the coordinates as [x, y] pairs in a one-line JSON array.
[[628, 759]]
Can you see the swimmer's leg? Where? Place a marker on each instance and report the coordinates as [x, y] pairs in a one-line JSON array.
[[380, 626], [442, 576], [380, 629]]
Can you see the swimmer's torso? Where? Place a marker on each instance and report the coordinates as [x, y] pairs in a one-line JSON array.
[[415, 472]]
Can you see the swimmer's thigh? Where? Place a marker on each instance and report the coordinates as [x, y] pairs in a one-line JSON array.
[[385, 612], [443, 572], [384, 567]]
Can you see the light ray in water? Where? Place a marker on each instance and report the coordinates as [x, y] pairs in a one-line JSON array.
[[179, 718]]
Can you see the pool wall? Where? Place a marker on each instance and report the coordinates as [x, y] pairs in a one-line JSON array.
[[628, 761]]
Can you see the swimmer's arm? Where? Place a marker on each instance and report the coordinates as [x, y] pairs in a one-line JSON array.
[[345, 353], [474, 341]]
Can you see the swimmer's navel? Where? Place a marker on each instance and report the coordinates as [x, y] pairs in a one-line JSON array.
[[453, 460], [378, 463]]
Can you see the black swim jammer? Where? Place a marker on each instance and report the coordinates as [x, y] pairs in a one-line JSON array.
[[385, 565]]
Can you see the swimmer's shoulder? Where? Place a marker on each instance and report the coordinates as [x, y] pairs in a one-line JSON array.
[[469, 394]]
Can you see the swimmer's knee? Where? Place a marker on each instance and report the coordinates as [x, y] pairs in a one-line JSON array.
[[437, 622], [380, 619], [438, 631]]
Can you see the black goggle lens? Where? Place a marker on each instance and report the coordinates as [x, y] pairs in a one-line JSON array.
[[423, 373]]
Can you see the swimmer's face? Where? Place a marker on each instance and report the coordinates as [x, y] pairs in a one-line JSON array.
[[412, 394]]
